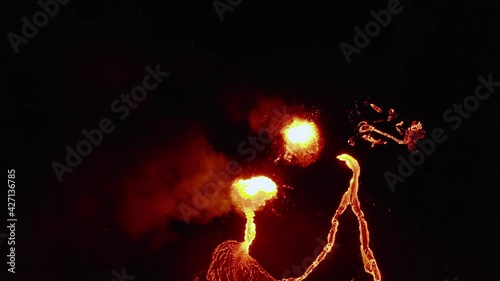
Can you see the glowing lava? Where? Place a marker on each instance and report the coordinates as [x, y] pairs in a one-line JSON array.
[[301, 133], [411, 133], [302, 141], [250, 195], [350, 198], [231, 261]]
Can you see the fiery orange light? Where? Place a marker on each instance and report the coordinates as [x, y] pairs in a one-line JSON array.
[[300, 133], [231, 261], [249, 195], [302, 141]]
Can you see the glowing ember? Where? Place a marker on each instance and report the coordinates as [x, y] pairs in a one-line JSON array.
[[376, 108], [231, 261], [249, 196], [302, 141]]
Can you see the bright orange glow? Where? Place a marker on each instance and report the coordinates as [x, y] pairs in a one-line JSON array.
[[232, 262], [249, 188], [301, 133], [302, 141], [252, 194], [249, 195]]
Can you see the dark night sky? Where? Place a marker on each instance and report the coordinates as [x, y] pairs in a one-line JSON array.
[[118, 208]]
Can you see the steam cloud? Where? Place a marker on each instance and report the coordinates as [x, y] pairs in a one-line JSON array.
[[168, 177]]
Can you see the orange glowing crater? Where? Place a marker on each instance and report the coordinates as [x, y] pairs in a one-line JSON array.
[[302, 141], [249, 195]]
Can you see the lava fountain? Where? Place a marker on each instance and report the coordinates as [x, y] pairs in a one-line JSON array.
[[302, 141], [231, 260], [249, 195]]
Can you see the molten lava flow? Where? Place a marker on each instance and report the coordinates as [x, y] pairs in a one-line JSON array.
[[250, 195], [350, 198], [302, 141], [411, 133], [231, 261]]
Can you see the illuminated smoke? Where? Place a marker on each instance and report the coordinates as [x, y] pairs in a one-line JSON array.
[[268, 114], [166, 176]]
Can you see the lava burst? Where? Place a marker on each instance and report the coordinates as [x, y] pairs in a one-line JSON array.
[[249, 195], [302, 141]]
